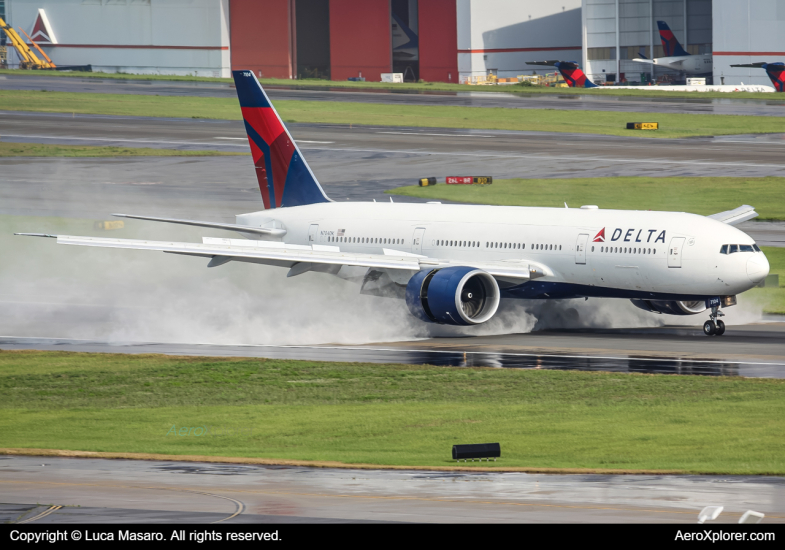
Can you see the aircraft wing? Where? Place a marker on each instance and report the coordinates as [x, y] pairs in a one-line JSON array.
[[735, 216], [300, 258]]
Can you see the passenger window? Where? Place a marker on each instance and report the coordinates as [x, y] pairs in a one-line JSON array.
[[724, 249], [745, 248], [733, 248]]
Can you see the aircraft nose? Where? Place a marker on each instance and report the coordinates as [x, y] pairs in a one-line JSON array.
[[757, 268]]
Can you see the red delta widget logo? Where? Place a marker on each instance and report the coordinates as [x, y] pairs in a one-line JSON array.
[[630, 235]]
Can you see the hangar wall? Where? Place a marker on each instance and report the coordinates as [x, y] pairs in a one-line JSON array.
[[139, 36], [261, 38], [438, 41], [747, 31], [500, 36]]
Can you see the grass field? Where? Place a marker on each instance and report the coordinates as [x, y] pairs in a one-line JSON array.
[[8, 149], [388, 414], [674, 194], [546, 120], [645, 91]]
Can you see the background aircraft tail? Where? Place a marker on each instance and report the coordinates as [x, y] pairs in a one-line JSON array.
[[776, 72], [670, 45], [285, 179], [573, 75]]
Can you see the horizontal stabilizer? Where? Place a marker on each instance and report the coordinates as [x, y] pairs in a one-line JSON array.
[[642, 60], [273, 232], [735, 216]]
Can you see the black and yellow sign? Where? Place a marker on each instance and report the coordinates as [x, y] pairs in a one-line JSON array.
[[425, 182], [643, 125]]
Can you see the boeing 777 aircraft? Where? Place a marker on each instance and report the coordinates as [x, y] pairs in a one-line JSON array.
[[453, 264], [675, 56]]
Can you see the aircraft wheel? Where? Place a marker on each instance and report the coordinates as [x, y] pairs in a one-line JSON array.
[[720, 328], [709, 328]]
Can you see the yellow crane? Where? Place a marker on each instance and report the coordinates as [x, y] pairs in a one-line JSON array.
[[42, 52], [28, 59]]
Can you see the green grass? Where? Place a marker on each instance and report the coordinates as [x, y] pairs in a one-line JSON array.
[[546, 120], [388, 414], [645, 91], [674, 194], [37, 150]]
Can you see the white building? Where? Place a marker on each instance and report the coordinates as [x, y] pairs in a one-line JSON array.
[[135, 36], [747, 31], [734, 31], [500, 36]]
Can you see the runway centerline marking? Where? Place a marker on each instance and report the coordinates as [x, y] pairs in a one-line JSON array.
[[549, 157], [119, 140], [425, 134]]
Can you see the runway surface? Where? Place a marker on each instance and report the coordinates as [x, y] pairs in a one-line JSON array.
[[123, 491], [726, 106], [351, 163], [754, 351]]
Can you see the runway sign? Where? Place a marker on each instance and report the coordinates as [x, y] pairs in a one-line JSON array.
[[469, 180], [425, 182], [643, 125]]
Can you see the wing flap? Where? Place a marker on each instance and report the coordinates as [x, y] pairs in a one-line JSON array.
[[735, 216]]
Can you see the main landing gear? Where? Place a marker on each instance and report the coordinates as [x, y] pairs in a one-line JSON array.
[[713, 327]]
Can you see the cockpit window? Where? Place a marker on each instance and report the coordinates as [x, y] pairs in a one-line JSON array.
[[733, 248], [745, 248], [757, 248], [724, 249]]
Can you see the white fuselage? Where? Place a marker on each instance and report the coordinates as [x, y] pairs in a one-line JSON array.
[[691, 64], [663, 253]]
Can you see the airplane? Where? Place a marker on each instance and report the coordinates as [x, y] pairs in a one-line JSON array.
[[675, 56], [776, 72], [453, 263], [576, 78]]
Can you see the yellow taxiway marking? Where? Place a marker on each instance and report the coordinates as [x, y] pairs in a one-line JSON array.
[[42, 514]]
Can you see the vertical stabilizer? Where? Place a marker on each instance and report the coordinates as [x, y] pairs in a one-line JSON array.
[[670, 45], [573, 75], [285, 179], [776, 72]]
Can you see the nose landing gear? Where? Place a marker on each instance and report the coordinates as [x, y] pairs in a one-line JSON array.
[[713, 327]]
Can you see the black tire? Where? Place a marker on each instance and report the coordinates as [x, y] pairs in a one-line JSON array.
[[720, 328], [709, 328]]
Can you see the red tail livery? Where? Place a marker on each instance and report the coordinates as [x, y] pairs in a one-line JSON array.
[[572, 74], [670, 45], [285, 179]]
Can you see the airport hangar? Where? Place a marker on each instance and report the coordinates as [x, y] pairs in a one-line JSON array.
[[443, 40]]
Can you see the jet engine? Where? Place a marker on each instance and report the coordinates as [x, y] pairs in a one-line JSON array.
[[671, 307], [453, 296]]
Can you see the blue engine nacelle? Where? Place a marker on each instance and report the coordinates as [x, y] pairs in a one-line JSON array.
[[453, 296], [671, 307]]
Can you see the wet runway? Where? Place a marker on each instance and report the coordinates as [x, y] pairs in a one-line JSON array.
[[123, 491], [726, 106], [754, 351]]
